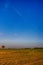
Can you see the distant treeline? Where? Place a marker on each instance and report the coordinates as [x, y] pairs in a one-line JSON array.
[[23, 48], [38, 48]]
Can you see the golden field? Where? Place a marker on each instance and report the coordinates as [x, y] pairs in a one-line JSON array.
[[21, 56]]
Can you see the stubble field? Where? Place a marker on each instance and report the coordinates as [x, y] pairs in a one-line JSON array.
[[21, 56]]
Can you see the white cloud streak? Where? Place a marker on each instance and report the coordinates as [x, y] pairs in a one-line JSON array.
[[17, 11]]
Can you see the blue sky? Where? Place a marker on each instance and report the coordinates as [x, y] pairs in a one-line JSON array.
[[21, 22]]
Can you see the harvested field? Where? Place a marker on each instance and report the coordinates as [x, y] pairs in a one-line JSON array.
[[21, 56]]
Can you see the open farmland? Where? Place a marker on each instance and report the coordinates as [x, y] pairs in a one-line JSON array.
[[21, 56]]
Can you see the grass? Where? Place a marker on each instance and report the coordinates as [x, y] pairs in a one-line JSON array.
[[21, 56]]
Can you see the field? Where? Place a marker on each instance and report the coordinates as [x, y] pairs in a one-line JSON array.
[[21, 56]]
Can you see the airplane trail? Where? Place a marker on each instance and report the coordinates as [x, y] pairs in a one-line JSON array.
[[17, 11]]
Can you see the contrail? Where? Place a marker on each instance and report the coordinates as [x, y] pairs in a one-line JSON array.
[[17, 11]]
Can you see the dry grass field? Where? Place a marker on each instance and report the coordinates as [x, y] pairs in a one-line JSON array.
[[21, 56]]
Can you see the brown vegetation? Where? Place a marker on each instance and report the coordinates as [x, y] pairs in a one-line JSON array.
[[21, 57]]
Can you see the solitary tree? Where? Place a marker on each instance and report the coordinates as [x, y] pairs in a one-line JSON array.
[[3, 46]]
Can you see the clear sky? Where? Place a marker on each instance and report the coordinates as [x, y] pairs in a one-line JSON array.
[[21, 23]]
